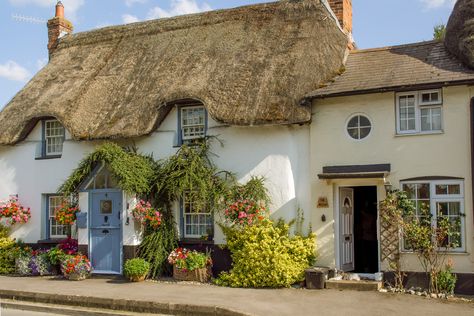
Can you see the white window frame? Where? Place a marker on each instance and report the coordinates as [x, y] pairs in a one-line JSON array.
[[419, 105], [437, 198], [185, 222], [51, 216], [371, 126], [48, 138], [184, 138]]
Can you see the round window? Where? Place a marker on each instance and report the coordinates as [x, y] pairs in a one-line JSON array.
[[359, 127]]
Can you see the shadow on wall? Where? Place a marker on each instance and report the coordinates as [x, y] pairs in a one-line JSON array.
[[325, 245]]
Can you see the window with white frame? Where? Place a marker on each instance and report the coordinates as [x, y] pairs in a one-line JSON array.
[[197, 222], [443, 198], [193, 123], [55, 230], [53, 138], [419, 112]]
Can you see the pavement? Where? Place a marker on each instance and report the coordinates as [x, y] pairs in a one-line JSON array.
[[230, 301]]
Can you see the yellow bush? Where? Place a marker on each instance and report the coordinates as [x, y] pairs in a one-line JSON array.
[[265, 255]]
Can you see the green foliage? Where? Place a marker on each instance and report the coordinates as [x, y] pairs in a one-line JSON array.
[[7, 255], [265, 255], [134, 172], [56, 256], [4, 231], [446, 280], [190, 171], [439, 32], [429, 242], [136, 267], [254, 190], [157, 245]]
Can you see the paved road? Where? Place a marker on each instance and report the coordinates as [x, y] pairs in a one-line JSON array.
[[13, 312], [264, 302]]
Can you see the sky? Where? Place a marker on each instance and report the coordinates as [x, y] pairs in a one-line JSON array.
[[23, 32]]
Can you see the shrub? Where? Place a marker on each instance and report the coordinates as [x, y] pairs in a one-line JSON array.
[[55, 255], [136, 268], [265, 255], [446, 280], [7, 258], [69, 246]]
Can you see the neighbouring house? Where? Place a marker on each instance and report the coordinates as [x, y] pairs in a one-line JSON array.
[[330, 127]]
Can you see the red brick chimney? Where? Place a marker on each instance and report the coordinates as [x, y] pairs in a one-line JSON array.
[[343, 11], [57, 28]]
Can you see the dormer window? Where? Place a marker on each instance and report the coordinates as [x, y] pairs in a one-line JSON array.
[[192, 124], [53, 138]]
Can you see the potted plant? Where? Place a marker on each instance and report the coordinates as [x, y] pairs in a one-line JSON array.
[[136, 269], [190, 265], [76, 268]]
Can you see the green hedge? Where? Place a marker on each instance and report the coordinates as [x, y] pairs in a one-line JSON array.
[[265, 255]]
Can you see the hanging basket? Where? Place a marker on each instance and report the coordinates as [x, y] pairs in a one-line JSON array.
[[198, 275]]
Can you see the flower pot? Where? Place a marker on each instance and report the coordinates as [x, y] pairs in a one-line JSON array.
[[198, 275], [137, 278], [76, 277]]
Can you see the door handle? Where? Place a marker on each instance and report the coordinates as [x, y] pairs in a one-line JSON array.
[[347, 238]]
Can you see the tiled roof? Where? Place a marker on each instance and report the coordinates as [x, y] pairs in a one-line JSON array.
[[397, 68]]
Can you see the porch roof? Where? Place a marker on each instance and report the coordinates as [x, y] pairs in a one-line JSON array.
[[375, 171]]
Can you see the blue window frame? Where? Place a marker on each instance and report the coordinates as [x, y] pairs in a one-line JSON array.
[[53, 229], [53, 135], [192, 124]]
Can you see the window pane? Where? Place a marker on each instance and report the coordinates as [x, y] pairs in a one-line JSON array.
[[409, 189], [441, 189], [364, 132], [423, 191], [364, 122], [454, 189], [354, 122], [359, 127]]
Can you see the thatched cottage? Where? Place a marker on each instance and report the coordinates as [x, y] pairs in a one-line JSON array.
[[330, 127]]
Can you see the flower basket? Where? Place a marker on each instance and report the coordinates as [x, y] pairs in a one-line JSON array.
[[77, 276], [198, 275]]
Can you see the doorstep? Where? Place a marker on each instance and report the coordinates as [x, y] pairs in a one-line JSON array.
[[362, 285]]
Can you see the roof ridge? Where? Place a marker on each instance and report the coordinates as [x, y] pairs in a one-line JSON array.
[[377, 49]]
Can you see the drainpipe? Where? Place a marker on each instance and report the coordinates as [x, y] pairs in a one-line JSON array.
[[472, 151]]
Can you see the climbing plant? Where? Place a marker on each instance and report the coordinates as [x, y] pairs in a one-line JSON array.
[[134, 172]]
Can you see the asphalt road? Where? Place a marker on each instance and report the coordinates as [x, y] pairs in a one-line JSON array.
[[14, 312]]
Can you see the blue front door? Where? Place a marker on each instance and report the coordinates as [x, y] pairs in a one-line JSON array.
[[106, 231]]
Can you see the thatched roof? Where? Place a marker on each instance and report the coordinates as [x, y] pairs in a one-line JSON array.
[[413, 66], [460, 32], [249, 66]]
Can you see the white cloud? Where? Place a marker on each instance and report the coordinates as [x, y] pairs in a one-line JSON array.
[[433, 4], [130, 3], [70, 6], [178, 7], [128, 18], [40, 63], [12, 71]]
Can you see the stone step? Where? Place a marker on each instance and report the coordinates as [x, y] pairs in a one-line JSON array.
[[362, 285]]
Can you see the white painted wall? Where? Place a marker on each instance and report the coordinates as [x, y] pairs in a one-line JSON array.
[[446, 154], [279, 153]]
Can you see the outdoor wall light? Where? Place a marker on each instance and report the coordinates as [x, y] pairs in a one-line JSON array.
[[323, 218], [388, 186]]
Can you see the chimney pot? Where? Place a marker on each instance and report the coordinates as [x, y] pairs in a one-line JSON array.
[[60, 10], [57, 28]]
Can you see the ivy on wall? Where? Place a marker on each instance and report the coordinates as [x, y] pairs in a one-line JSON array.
[[134, 172]]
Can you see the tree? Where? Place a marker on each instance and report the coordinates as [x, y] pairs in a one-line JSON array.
[[439, 32]]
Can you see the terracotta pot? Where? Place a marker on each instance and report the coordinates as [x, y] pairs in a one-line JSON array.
[[136, 278], [199, 275]]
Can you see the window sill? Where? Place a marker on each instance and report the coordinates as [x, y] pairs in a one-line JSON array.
[[419, 134], [50, 241], [195, 241], [48, 157]]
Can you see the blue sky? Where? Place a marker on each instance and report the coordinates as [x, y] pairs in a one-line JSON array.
[[23, 43]]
